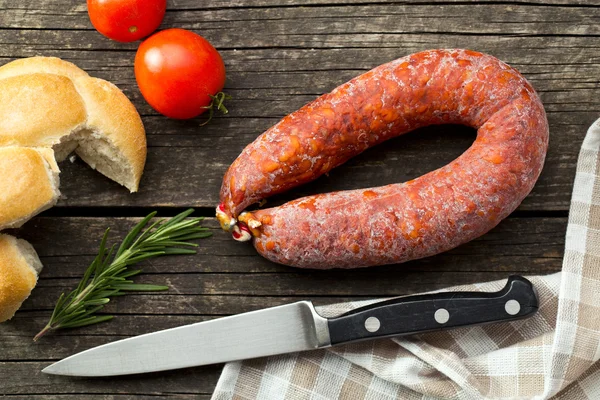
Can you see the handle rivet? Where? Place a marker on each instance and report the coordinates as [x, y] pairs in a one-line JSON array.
[[372, 324], [512, 307], [441, 316]]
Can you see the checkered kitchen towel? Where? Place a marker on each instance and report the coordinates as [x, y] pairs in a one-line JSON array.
[[551, 355]]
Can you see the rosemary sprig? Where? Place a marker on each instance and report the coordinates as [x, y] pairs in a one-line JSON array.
[[109, 274]]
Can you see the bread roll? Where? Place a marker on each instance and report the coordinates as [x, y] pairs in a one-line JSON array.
[[39, 110], [19, 269], [28, 184], [46, 102], [115, 146], [51, 108]]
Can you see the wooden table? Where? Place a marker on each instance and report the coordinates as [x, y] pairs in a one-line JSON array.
[[281, 54]]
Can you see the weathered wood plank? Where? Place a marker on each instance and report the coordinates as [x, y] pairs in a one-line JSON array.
[[26, 378], [64, 243], [235, 23], [20, 348], [26, 324], [279, 81], [191, 176], [178, 5], [211, 284], [183, 4], [311, 54], [305, 284], [227, 277], [536, 243], [67, 246], [186, 304]]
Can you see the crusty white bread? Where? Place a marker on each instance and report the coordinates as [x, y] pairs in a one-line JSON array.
[[50, 108], [46, 102], [38, 110], [115, 146], [28, 184], [45, 65], [19, 270]]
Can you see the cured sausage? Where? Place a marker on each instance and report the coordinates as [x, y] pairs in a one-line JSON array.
[[399, 222]]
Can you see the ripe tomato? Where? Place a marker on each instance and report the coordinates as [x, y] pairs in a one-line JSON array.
[[179, 73], [126, 20]]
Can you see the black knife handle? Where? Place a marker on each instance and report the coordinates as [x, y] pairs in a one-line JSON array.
[[431, 312]]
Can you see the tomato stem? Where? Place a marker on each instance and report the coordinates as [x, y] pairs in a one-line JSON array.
[[216, 103]]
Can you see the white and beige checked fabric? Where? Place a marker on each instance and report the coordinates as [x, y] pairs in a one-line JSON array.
[[551, 355]]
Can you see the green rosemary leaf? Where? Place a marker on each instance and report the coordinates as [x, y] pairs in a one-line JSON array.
[[89, 311], [146, 233], [100, 258], [59, 304], [191, 230], [175, 243], [88, 321], [142, 257], [193, 236], [130, 273], [134, 232], [107, 275], [103, 294], [179, 251], [96, 302], [175, 220], [104, 265]]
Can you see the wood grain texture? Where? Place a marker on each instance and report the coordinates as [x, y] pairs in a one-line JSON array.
[[281, 54], [224, 278], [279, 58]]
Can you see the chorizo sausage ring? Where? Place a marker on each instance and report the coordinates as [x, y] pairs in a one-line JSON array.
[[395, 223]]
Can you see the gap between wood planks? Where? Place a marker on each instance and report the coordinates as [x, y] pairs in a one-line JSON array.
[[242, 48], [396, 3]]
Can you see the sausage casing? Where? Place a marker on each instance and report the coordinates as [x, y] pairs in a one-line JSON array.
[[399, 222]]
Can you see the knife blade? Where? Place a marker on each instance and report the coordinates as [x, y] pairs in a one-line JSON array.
[[298, 327]]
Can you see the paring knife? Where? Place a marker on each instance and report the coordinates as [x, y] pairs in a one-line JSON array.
[[298, 327]]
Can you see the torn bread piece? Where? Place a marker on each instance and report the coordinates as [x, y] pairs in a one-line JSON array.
[[19, 269], [28, 184], [50, 109], [48, 102]]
